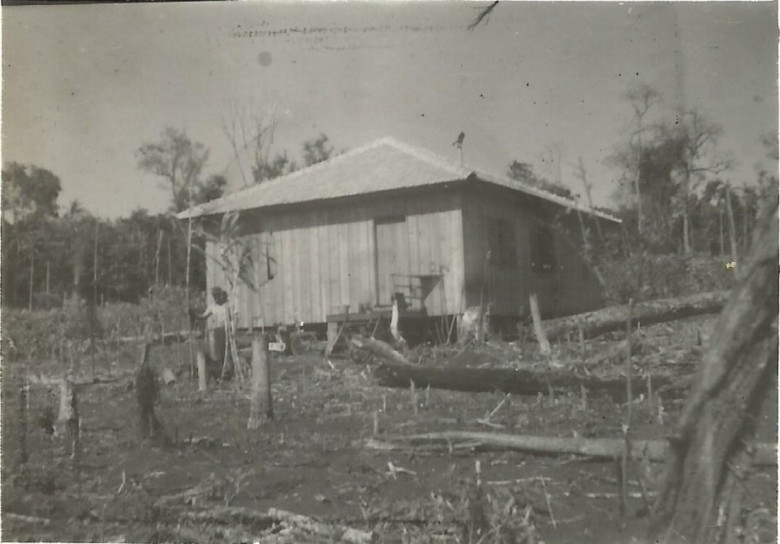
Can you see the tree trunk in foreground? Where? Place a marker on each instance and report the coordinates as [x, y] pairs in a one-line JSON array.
[[699, 499], [645, 313]]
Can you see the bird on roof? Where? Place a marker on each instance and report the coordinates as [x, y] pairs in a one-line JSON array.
[[459, 141]]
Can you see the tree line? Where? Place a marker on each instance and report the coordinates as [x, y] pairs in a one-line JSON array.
[[49, 253], [674, 195], [675, 192]]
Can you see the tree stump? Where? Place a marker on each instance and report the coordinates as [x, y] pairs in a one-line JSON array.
[[146, 390], [261, 400], [202, 377]]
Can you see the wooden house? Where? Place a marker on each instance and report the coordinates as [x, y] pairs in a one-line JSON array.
[[387, 218]]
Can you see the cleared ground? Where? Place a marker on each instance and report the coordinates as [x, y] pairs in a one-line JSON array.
[[311, 459]]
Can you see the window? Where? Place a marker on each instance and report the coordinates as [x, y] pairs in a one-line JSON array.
[[542, 247], [501, 242]]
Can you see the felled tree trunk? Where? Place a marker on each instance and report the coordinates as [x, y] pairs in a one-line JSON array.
[[604, 448], [644, 313], [395, 370], [380, 349], [261, 400], [506, 380], [710, 453]]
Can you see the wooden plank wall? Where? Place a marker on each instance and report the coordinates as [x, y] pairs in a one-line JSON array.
[[325, 257], [571, 288]]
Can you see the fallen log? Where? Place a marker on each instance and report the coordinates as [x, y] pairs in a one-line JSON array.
[[613, 318], [507, 380], [607, 448], [380, 349], [396, 371], [259, 520], [164, 338], [338, 533]]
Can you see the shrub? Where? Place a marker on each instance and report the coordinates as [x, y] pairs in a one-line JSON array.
[[646, 277]]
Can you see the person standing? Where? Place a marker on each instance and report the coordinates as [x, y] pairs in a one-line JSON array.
[[216, 325]]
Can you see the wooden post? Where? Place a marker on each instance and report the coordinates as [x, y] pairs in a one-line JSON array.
[[333, 336], [261, 400], [394, 321], [377, 428], [544, 344], [202, 378]]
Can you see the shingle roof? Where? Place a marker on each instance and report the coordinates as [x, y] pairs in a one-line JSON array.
[[383, 165]]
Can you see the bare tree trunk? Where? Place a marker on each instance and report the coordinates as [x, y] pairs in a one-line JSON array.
[[639, 214], [722, 240], [686, 234], [187, 281], [541, 337], [95, 264], [170, 277], [732, 229], [157, 257], [686, 215], [48, 276], [745, 223], [709, 450], [32, 276], [261, 400], [23, 416], [582, 174], [585, 241]]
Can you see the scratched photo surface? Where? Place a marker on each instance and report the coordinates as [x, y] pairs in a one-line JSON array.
[[381, 271]]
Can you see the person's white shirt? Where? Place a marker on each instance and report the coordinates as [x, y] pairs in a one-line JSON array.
[[217, 315]]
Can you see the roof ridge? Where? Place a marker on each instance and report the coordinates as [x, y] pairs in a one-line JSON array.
[[419, 153], [426, 155]]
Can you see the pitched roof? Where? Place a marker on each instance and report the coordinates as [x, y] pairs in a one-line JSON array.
[[383, 165]]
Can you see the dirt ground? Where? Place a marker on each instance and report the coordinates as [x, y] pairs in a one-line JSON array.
[[311, 460]]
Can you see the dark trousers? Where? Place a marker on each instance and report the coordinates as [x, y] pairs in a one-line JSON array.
[[217, 350]]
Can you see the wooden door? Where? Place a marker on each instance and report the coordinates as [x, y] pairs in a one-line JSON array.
[[392, 257]]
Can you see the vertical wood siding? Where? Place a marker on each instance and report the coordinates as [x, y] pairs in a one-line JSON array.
[[325, 258], [570, 288]]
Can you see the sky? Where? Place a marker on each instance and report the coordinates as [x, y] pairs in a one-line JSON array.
[[84, 86]]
